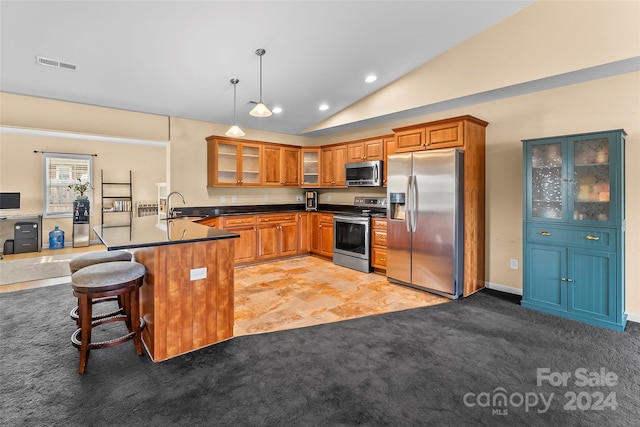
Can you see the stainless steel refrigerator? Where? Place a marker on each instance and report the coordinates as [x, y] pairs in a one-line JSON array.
[[425, 227]]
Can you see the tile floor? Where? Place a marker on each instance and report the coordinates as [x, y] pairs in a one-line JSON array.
[[308, 291]]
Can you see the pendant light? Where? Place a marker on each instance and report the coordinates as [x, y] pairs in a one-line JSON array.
[[234, 130], [260, 110]]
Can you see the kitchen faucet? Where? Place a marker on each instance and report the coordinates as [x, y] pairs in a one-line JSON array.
[[169, 208]]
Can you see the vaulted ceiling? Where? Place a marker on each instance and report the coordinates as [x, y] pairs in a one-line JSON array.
[[176, 58]]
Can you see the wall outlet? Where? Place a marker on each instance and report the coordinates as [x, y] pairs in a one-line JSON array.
[[328, 198], [223, 199], [298, 198], [266, 198], [513, 264], [234, 199], [198, 273]]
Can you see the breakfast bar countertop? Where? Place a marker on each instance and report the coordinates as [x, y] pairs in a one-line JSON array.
[[149, 231]]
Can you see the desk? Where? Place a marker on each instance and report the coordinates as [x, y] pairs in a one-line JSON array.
[[7, 224], [187, 296]]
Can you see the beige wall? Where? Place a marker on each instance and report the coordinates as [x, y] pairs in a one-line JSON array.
[[21, 168]]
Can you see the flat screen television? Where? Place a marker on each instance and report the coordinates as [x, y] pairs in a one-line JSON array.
[[9, 200]]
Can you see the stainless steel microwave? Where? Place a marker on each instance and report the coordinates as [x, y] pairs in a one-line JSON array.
[[364, 174]]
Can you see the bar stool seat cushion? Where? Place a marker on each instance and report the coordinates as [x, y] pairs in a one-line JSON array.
[[92, 258], [106, 276]]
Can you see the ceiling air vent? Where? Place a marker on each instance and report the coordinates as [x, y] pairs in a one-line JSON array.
[[56, 63]]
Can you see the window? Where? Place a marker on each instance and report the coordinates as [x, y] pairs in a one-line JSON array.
[[61, 170]]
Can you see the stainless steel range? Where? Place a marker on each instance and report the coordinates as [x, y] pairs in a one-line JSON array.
[[352, 233]]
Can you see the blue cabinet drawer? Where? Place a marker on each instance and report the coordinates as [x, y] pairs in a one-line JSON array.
[[585, 237]]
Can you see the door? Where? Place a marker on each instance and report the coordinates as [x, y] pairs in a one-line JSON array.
[[435, 195], [398, 235], [592, 290], [545, 266]]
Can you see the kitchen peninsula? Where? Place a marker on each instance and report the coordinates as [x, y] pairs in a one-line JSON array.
[[187, 297]]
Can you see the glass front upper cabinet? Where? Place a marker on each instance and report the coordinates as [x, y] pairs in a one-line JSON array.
[[572, 179], [591, 179], [546, 188]]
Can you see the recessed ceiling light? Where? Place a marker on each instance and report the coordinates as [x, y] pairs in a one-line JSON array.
[[323, 107], [276, 110], [370, 78]]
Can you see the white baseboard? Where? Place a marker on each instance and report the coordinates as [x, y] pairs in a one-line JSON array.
[[503, 288], [631, 317]]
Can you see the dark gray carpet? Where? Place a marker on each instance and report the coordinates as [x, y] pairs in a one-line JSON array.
[[407, 368]]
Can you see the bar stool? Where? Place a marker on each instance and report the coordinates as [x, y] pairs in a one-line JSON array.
[[120, 279], [93, 258]]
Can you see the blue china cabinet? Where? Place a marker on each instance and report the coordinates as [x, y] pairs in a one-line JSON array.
[[574, 227]]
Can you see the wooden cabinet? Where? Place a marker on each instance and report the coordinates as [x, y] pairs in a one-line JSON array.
[[303, 233], [310, 166], [280, 165], [446, 133], [369, 149], [412, 139], [277, 235], [232, 163], [379, 243], [468, 134], [574, 227], [333, 158], [322, 234], [389, 149], [245, 246]]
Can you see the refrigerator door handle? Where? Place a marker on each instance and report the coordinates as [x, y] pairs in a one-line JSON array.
[[414, 205], [407, 210]]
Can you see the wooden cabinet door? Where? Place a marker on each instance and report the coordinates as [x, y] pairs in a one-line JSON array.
[[444, 135], [545, 266], [339, 160], [245, 246], [327, 161], [303, 233], [326, 239], [389, 149], [271, 166], [268, 241], [314, 233], [290, 166], [592, 289], [374, 149], [410, 140], [288, 238], [355, 152]]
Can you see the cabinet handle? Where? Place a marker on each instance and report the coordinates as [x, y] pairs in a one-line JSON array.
[[266, 220], [563, 279], [287, 217], [383, 259], [569, 280], [592, 237], [545, 233]]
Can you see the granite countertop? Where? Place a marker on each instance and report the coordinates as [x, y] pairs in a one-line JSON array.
[[215, 211], [149, 231]]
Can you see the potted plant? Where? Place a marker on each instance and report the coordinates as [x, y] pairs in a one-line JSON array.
[[80, 188]]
